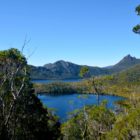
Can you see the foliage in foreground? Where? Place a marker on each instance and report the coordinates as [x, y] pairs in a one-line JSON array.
[[22, 115], [127, 127], [100, 123], [92, 123]]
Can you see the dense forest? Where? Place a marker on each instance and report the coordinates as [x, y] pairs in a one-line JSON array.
[[22, 115]]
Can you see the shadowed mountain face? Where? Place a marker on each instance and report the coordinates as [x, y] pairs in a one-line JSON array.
[[61, 67], [127, 62], [67, 70], [62, 70]]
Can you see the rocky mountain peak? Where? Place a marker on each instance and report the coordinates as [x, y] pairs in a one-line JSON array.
[[129, 57]]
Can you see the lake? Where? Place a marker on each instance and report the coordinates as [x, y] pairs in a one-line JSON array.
[[64, 104], [52, 81]]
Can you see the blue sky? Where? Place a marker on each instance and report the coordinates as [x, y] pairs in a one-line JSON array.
[[92, 32]]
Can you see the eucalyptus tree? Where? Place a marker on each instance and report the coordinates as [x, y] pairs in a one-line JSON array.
[[22, 115], [96, 86]]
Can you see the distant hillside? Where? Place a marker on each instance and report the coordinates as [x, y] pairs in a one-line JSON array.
[[67, 70], [127, 62], [131, 75], [40, 73], [62, 70]]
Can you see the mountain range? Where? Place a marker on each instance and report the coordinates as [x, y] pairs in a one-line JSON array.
[[67, 70]]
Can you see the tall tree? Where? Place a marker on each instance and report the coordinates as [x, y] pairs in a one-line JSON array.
[[22, 115], [85, 73]]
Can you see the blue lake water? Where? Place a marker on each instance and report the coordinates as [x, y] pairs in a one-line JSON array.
[[52, 81], [64, 104]]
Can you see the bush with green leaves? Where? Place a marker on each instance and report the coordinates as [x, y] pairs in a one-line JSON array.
[[91, 123]]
